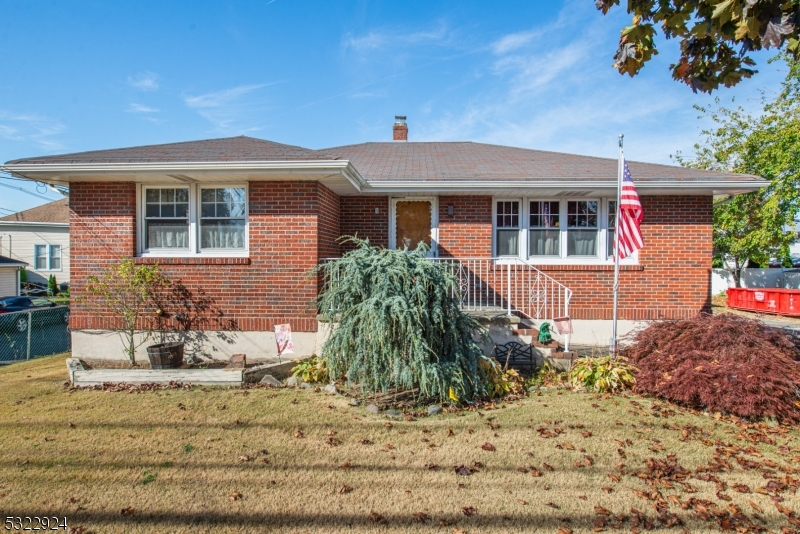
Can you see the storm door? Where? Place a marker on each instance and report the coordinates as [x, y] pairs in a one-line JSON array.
[[414, 220]]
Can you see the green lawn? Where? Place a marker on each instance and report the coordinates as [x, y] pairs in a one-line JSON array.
[[231, 460]]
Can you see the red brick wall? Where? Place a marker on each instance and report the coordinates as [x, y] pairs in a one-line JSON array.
[[358, 217], [672, 280], [293, 224], [465, 233], [287, 236]]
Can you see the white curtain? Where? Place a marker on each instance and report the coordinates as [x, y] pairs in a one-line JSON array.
[[222, 234], [167, 234], [507, 242], [581, 242], [543, 243]]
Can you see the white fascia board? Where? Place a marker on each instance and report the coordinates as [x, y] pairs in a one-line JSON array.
[[60, 173], [37, 224], [498, 186]]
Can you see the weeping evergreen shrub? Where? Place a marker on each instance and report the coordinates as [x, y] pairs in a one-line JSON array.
[[396, 324]]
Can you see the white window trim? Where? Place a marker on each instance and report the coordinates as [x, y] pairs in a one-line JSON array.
[[49, 249], [194, 250], [601, 259], [434, 252]]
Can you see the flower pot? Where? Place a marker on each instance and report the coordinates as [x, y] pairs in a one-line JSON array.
[[166, 355]]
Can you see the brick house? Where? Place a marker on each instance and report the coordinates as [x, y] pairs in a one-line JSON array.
[[240, 222]]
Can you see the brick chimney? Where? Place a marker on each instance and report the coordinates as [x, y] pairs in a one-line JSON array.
[[400, 128]]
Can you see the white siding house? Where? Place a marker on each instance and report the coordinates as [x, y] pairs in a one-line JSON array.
[[9, 276], [39, 237]]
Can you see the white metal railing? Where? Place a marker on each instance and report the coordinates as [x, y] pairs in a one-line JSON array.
[[507, 284]]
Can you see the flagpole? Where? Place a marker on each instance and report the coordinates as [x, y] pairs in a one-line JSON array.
[[613, 343]]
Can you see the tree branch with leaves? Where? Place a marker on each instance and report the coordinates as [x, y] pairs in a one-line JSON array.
[[715, 35]]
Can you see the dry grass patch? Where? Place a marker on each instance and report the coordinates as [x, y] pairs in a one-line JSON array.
[[231, 460]]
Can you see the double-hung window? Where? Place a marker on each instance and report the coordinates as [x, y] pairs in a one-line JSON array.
[[556, 231], [193, 220], [507, 228], [544, 232], [47, 257], [582, 234]]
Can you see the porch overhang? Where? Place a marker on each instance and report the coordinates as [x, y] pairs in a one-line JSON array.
[[562, 188]]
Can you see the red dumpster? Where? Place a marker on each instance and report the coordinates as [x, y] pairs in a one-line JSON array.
[[765, 300]]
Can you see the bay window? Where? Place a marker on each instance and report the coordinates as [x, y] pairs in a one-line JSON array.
[[193, 220], [552, 231]]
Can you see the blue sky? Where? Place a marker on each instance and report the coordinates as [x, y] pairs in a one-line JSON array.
[[93, 75]]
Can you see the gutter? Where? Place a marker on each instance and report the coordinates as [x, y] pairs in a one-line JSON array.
[[38, 224], [58, 173]]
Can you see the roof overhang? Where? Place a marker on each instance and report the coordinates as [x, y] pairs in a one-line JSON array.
[[344, 179], [340, 175], [36, 224], [563, 188]]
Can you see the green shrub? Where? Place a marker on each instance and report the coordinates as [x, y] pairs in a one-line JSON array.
[[312, 370], [396, 323], [602, 374], [52, 286], [23, 276]]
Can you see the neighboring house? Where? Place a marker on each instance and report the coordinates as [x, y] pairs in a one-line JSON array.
[[240, 222], [39, 237], [9, 276]]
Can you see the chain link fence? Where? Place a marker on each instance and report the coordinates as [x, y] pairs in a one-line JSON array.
[[32, 333]]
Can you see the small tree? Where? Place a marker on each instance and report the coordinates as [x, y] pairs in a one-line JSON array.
[[125, 290], [52, 286], [396, 323]]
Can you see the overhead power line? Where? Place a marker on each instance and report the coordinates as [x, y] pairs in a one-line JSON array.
[[27, 192]]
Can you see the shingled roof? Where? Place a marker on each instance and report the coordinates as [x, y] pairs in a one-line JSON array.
[[52, 212], [465, 161], [6, 261], [403, 161], [240, 148]]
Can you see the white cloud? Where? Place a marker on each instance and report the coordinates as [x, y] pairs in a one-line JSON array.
[[513, 41], [377, 39], [145, 81], [133, 107], [36, 129], [229, 110]]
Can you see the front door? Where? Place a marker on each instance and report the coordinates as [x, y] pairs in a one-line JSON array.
[[414, 220]]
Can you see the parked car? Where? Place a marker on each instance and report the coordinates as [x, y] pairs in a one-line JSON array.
[[21, 304]]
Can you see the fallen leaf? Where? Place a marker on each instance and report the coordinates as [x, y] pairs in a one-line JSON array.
[[365, 442], [244, 458], [463, 470], [468, 510], [564, 530], [299, 434], [553, 505], [522, 502], [345, 465], [431, 467], [420, 517], [607, 489], [377, 518], [127, 511], [235, 496], [345, 489], [754, 506], [488, 447]]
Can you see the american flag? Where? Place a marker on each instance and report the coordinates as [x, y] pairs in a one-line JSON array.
[[630, 216]]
